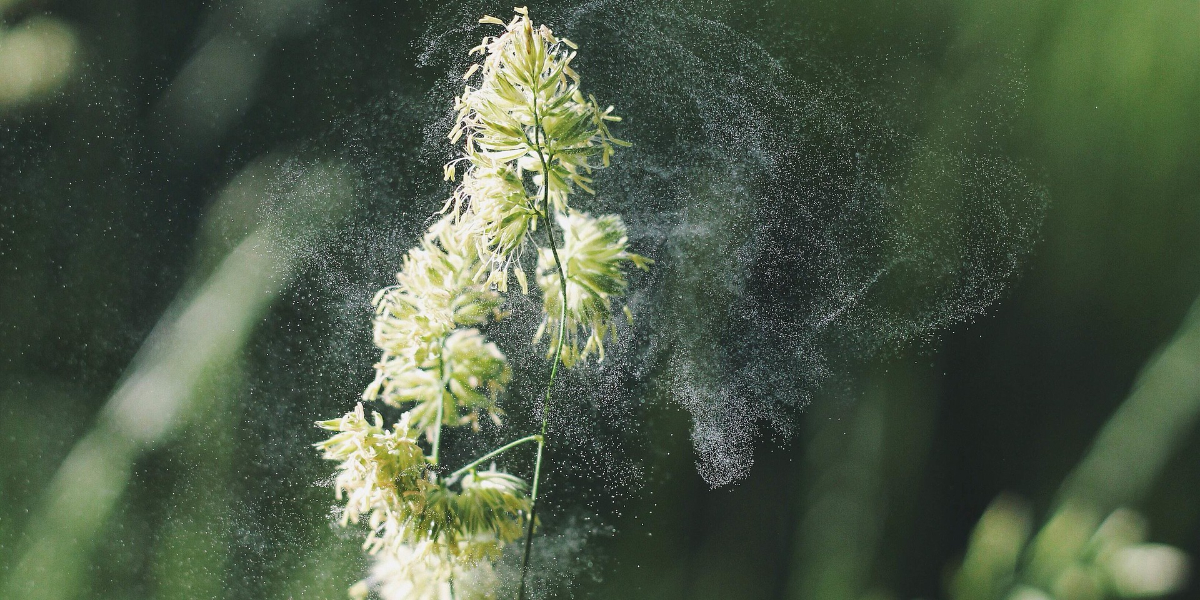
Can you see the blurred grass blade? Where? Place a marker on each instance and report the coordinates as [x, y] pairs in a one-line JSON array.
[[199, 337], [990, 566], [191, 551], [1136, 442], [862, 473], [205, 336]]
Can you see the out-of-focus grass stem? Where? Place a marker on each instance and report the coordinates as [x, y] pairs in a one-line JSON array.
[[1130, 451], [197, 339]]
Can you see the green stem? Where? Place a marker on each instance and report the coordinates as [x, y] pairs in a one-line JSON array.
[[537, 468], [441, 407], [497, 451], [562, 330], [437, 432]]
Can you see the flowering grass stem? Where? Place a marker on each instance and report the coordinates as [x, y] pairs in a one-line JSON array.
[[530, 138]]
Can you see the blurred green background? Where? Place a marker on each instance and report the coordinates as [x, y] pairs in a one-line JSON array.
[[157, 329]]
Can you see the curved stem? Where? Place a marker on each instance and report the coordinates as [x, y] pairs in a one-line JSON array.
[[537, 468], [497, 451], [558, 348]]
